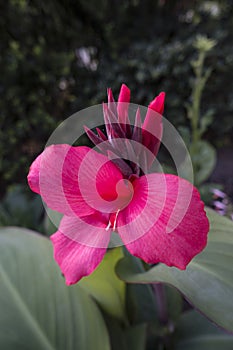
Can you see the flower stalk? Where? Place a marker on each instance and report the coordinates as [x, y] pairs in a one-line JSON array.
[[203, 45]]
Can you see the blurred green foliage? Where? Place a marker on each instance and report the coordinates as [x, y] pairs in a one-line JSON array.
[[58, 57], [20, 208]]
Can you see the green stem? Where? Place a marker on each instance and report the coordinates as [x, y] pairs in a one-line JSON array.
[[197, 92]]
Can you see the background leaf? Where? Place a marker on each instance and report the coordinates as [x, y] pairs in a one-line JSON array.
[[38, 311], [141, 303], [19, 208], [207, 282], [195, 332]]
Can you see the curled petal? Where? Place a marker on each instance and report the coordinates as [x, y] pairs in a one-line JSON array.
[[80, 245], [165, 221], [101, 183]]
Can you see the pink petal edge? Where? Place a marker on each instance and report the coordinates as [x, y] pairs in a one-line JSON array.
[[76, 256], [186, 223], [63, 176]]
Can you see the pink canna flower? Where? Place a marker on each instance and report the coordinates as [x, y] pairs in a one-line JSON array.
[[159, 217]]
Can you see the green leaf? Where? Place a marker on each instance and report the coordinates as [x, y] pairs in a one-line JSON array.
[[174, 303], [38, 311], [204, 158], [136, 337], [141, 305], [207, 282], [206, 120], [142, 300], [105, 286], [195, 332]]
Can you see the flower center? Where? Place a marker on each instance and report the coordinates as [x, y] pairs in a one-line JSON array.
[[113, 221], [124, 190]]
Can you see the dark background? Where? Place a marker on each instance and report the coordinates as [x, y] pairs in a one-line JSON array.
[[57, 57]]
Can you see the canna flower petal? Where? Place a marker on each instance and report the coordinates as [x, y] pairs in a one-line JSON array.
[[63, 176], [160, 224], [102, 184], [54, 176], [158, 103], [122, 108], [124, 95], [33, 176], [78, 248], [152, 128]]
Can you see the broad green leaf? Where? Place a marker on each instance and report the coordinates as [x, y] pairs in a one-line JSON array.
[[174, 303], [38, 311], [195, 332], [143, 304], [106, 287], [208, 280], [140, 299]]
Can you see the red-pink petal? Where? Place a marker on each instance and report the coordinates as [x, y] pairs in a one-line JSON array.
[[101, 183], [158, 103], [79, 246], [122, 107], [33, 176], [110, 96], [152, 128], [54, 175], [124, 95], [165, 221], [76, 180]]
